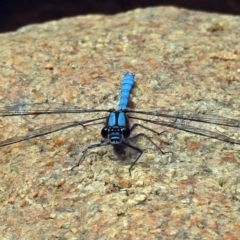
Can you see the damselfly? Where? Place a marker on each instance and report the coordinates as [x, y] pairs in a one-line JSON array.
[[117, 129]]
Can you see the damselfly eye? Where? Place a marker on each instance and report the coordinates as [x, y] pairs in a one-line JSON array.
[[104, 132], [126, 132]]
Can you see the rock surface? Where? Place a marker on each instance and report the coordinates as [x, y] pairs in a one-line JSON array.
[[182, 60]]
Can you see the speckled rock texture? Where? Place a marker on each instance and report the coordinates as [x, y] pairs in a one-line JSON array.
[[182, 60]]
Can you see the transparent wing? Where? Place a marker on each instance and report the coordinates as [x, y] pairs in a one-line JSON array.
[[48, 130], [191, 129], [43, 108], [188, 115]]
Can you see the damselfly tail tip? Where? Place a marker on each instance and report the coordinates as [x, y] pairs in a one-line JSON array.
[[127, 73]]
